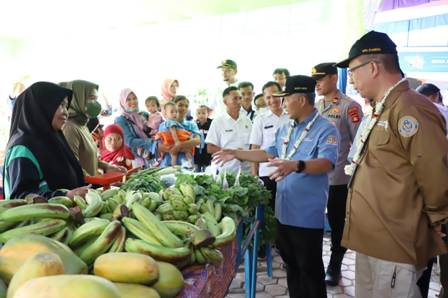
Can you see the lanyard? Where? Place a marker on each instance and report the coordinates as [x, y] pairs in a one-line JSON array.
[[304, 133], [362, 141]]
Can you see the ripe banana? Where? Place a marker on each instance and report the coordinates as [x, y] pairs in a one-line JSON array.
[[228, 227], [118, 245], [44, 227], [140, 230], [63, 200], [158, 229], [161, 253], [90, 251], [35, 211], [87, 231]]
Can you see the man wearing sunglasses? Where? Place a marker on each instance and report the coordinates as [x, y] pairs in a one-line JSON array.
[[397, 197]]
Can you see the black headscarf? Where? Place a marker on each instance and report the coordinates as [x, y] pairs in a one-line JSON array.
[[31, 126]]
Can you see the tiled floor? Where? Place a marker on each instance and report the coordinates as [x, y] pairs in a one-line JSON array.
[[276, 286]]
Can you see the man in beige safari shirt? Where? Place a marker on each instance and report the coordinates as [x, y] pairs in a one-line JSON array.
[[398, 194]]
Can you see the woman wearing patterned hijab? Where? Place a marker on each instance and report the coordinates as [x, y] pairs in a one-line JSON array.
[[136, 132]]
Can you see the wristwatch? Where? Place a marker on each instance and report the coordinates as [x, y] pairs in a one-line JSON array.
[[300, 166]]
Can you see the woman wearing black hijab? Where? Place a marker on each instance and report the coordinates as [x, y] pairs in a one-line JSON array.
[[38, 159]]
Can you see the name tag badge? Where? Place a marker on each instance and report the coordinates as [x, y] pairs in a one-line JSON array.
[[228, 130], [268, 126]]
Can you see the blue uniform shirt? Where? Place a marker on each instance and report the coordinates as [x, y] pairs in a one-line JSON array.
[[302, 198]]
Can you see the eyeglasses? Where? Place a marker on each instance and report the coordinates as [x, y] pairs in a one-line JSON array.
[[351, 70]]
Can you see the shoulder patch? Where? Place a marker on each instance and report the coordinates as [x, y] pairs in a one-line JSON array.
[[353, 114], [331, 139], [407, 126]]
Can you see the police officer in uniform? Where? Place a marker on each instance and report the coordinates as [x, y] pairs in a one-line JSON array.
[[398, 193], [345, 114], [303, 153]]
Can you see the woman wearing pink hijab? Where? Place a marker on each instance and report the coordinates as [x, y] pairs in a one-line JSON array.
[[169, 91], [136, 132]]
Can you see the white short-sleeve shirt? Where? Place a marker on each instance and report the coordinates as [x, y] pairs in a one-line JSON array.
[[263, 134], [228, 133]]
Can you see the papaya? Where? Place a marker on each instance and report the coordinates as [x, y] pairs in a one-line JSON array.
[[170, 280], [68, 286], [41, 264], [127, 267], [18, 250], [135, 290]]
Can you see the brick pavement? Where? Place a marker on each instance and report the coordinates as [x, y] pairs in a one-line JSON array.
[[276, 286]]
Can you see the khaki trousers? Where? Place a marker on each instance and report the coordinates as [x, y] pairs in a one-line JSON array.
[[377, 278]]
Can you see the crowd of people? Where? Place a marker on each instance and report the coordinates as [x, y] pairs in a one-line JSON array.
[[380, 175]]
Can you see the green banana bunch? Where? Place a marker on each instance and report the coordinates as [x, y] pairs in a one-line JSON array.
[[193, 218], [7, 204], [228, 227], [211, 255], [63, 200], [94, 204], [88, 231], [193, 208], [80, 202], [199, 257], [218, 211], [188, 193], [160, 253], [43, 227], [165, 208], [6, 225], [212, 224], [109, 193], [59, 236], [178, 205], [120, 212], [181, 228], [118, 245], [140, 231], [107, 216], [132, 197], [158, 229], [35, 211], [180, 215], [93, 249]]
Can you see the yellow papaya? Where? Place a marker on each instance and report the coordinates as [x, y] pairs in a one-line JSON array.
[[68, 286], [18, 250], [170, 280], [135, 290], [41, 264], [127, 267]]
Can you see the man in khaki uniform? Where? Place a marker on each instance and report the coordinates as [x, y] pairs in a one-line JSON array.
[[398, 194], [345, 114]]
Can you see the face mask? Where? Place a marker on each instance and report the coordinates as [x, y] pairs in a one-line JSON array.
[[93, 108]]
